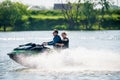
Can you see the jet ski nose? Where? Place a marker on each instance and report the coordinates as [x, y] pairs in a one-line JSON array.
[[11, 55]]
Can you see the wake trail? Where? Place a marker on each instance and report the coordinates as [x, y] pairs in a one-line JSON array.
[[77, 59]]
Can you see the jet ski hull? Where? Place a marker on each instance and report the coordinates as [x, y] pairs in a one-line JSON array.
[[20, 53]]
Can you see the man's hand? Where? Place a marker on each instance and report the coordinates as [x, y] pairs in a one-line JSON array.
[[44, 43]]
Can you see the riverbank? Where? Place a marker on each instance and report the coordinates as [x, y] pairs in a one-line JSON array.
[[49, 20], [52, 19]]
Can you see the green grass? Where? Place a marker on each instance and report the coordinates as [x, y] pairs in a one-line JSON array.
[[46, 17], [8, 29], [42, 17], [114, 16]]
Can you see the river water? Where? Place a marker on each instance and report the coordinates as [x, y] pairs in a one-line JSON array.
[[93, 55]]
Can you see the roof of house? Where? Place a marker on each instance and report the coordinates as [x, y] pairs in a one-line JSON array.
[[35, 7], [61, 6]]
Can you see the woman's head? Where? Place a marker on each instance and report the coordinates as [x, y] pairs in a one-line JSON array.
[[64, 34]]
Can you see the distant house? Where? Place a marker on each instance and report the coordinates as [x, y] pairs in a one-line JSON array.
[[62, 6], [35, 8]]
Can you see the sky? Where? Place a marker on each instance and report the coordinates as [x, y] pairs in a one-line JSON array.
[[50, 3]]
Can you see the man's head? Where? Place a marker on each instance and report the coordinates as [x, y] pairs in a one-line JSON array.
[[64, 35], [55, 32]]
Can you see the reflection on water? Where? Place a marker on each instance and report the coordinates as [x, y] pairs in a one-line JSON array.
[[93, 55]]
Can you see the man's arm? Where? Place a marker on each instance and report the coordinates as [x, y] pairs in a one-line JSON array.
[[55, 40], [50, 43]]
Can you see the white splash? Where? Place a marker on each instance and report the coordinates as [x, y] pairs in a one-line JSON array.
[[78, 59]]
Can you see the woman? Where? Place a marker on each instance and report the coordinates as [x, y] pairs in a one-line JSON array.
[[65, 41]]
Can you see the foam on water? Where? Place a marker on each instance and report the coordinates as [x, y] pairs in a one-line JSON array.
[[77, 59]]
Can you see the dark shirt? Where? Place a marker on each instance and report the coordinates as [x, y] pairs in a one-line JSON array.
[[56, 39], [65, 41]]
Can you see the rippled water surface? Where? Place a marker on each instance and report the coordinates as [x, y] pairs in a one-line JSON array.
[[93, 55]]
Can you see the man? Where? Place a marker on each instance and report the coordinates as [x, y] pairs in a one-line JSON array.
[[56, 39], [65, 41]]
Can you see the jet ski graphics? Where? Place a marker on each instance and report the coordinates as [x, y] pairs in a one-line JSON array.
[[18, 54]]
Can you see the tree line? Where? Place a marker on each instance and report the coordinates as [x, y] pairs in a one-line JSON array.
[[87, 14], [11, 13], [80, 16]]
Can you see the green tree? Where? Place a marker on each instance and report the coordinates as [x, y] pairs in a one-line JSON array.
[[72, 13], [22, 10], [90, 14], [105, 5], [76, 12], [10, 13]]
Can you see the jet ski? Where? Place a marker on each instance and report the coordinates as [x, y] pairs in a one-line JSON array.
[[27, 50]]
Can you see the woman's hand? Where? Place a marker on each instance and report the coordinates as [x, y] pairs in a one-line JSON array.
[[58, 44]]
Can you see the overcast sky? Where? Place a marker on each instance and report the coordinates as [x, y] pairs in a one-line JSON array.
[[50, 3]]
